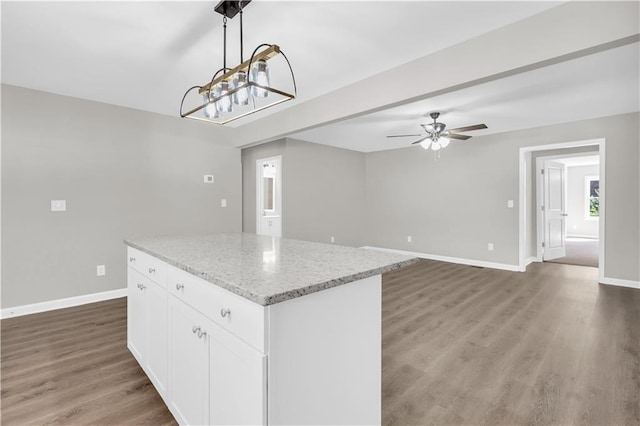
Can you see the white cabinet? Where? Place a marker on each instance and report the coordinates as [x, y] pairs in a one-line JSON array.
[[136, 316], [237, 381], [147, 327], [189, 364], [157, 336], [216, 378]]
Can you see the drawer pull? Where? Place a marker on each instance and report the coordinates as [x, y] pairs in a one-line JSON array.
[[152, 271], [132, 259], [179, 286], [225, 312], [141, 286], [201, 334], [195, 329]]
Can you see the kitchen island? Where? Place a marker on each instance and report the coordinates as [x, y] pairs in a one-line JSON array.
[[245, 329]]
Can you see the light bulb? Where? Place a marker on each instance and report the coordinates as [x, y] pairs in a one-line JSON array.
[[425, 143], [241, 97], [260, 75], [210, 110], [435, 146], [224, 102], [443, 142]]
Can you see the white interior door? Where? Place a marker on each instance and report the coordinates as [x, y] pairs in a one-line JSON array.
[[269, 196], [554, 210]]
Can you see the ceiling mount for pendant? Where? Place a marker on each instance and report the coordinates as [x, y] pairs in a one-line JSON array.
[[245, 89]]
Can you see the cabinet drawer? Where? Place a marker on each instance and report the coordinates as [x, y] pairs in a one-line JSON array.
[[241, 317], [148, 266]]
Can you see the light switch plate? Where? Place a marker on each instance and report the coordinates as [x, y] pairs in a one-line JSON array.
[[510, 204], [490, 246], [58, 205], [409, 239], [223, 202], [101, 271], [208, 179]]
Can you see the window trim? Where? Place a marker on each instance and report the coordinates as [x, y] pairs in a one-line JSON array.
[[587, 197]]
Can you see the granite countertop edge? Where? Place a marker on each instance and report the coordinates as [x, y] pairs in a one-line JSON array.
[[279, 297]]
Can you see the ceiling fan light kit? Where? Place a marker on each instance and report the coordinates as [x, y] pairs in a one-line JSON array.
[[437, 137], [233, 93]]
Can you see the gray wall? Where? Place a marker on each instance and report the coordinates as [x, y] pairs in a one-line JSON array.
[[323, 191], [577, 224], [455, 205], [123, 172]]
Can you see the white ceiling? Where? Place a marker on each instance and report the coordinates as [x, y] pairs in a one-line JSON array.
[[144, 55], [597, 85]]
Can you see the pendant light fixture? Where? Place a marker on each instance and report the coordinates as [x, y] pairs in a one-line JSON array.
[[233, 93]]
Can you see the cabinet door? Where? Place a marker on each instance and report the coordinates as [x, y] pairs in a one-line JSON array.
[[237, 381], [157, 336], [136, 315], [188, 364]]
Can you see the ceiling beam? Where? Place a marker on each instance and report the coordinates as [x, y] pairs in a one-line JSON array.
[[570, 30]]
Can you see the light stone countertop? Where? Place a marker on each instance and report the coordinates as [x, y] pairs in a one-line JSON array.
[[269, 270]]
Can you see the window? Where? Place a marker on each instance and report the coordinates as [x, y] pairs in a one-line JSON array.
[[592, 197]]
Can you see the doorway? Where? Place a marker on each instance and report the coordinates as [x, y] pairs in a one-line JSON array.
[[530, 223], [568, 208], [269, 196]]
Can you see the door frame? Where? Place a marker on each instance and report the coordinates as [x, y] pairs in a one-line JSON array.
[[259, 201], [523, 204], [540, 195]]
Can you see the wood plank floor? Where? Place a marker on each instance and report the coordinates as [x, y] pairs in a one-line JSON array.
[[461, 345]]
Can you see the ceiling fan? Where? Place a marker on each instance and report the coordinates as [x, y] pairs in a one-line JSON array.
[[436, 135]]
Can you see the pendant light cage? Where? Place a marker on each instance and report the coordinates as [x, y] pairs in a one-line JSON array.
[[264, 80]]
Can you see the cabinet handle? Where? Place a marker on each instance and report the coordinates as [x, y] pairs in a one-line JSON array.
[[225, 312], [132, 259], [179, 286], [152, 271], [141, 286], [201, 334], [195, 329]]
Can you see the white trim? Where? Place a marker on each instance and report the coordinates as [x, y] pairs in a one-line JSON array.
[[620, 283], [522, 237], [530, 260], [68, 302], [461, 261], [587, 237]]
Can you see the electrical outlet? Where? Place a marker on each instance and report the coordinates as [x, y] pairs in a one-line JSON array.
[[58, 205], [223, 202], [510, 204], [333, 239], [409, 239], [208, 178], [101, 271], [490, 246]]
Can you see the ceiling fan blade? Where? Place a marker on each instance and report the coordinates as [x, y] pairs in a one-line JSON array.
[[455, 136], [420, 140], [401, 136], [469, 128]]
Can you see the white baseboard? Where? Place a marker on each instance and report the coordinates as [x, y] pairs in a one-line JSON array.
[[530, 260], [471, 262], [68, 302], [589, 237], [621, 283]]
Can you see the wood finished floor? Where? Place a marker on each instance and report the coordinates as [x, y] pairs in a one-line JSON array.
[[461, 345]]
